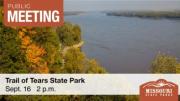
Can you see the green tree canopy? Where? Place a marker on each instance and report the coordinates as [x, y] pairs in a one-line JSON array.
[[69, 34], [164, 64], [12, 58], [74, 61]]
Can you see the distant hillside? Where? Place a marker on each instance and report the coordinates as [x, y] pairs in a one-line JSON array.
[[148, 14]]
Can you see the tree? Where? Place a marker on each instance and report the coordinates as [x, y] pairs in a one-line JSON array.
[[37, 98], [1, 2], [132, 98], [11, 56], [178, 68], [74, 61], [93, 67], [48, 39], [1, 14], [164, 64], [69, 34]]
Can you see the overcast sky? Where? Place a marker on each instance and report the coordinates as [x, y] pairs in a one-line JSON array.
[[104, 5]]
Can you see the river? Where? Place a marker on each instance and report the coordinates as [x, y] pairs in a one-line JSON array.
[[127, 44]]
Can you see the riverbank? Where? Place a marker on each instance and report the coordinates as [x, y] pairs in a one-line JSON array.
[[148, 14], [65, 49], [70, 13]]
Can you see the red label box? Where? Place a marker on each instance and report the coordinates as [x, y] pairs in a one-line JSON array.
[[33, 12]]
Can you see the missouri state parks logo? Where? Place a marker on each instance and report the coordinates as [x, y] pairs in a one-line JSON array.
[[160, 90]]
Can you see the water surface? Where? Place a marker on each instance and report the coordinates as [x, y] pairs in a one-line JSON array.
[[127, 44]]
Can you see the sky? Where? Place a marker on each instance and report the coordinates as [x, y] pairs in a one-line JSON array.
[[109, 5]]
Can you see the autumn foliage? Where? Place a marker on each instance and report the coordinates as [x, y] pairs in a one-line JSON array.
[[33, 52]]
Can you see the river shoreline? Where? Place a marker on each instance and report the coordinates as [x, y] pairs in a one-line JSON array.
[[148, 14]]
